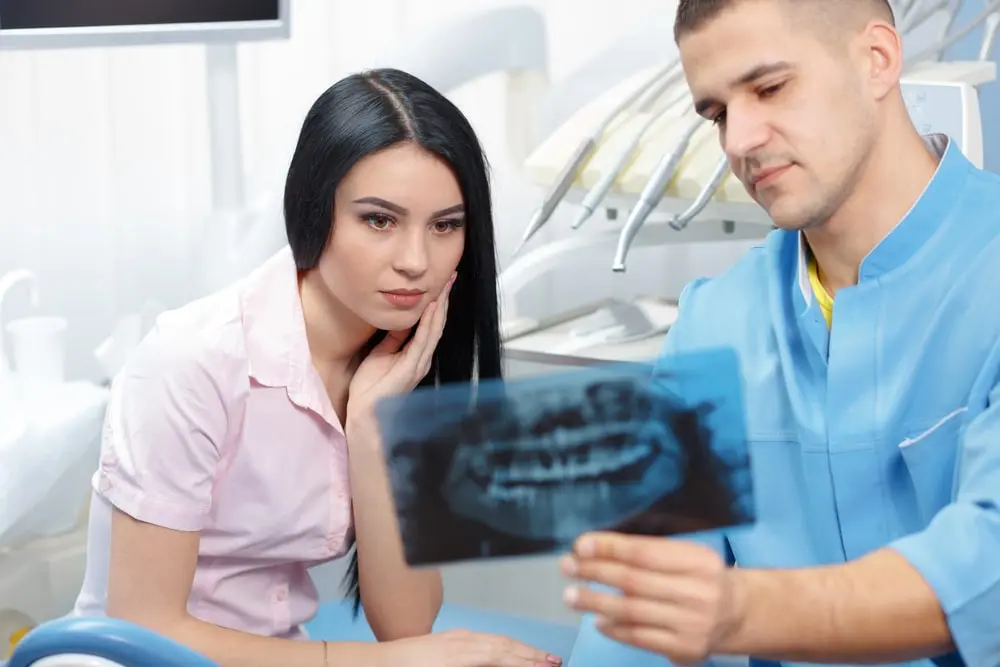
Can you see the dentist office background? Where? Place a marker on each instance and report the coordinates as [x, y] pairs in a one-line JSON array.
[[123, 191]]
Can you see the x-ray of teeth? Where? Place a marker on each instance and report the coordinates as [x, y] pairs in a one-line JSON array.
[[524, 466]]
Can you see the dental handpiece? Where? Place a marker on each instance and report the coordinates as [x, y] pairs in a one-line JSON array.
[[581, 155], [952, 10], [600, 190], [651, 195], [555, 195], [902, 9], [721, 171], [654, 91]]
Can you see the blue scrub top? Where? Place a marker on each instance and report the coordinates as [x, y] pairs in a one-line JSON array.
[[883, 430]]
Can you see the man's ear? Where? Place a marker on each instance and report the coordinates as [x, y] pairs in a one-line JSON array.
[[882, 57]]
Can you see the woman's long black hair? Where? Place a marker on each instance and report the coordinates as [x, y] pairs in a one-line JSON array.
[[368, 112]]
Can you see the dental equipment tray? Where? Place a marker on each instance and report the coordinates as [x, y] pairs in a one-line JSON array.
[[603, 332]]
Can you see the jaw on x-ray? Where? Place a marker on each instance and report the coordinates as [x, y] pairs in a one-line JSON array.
[[525, 466]]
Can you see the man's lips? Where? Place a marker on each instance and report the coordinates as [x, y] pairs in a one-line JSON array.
[[763, 177]]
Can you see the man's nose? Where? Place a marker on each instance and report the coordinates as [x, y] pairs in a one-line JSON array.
[[744, 134]]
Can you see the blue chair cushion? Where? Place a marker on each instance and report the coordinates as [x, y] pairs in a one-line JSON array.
[[112, 639], [334, 622], [135, 646]]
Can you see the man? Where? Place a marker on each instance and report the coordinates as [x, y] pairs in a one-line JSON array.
[[868, 331]]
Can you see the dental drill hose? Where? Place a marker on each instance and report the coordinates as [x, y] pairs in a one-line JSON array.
[[651, 195], [915, 18], [989, 37], [721, 170], [655, 91], [992, 6], [903, 10]]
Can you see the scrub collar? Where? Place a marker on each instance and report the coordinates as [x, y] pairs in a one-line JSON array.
[[922, 220]]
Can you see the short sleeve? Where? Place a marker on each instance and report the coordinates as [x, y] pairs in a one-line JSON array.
[[958, 553], [166, 423], [676, 335]]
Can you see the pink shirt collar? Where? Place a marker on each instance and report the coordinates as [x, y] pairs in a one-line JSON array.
[[276, 343]]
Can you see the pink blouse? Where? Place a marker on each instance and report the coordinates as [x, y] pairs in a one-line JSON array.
[[220, 424]]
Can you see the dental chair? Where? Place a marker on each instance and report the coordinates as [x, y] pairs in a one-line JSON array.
[[108, 642], [100, 642]]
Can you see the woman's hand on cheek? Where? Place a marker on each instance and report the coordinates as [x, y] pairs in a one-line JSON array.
[[394, 368]]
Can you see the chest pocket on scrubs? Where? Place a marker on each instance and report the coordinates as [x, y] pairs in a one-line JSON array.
[[930, 456]]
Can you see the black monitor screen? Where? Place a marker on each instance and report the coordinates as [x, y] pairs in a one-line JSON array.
[[47, 14]]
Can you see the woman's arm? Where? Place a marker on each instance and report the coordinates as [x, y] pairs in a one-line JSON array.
[[168, 418], [398, 601], [150, 577]]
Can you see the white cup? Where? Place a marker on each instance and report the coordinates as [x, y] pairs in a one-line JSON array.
[[39, 347]]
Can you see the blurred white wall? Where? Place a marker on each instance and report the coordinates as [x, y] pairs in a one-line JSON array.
[[104, 171]]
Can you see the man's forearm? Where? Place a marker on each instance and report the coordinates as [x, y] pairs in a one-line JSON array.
[[876, 609], [399, 601]]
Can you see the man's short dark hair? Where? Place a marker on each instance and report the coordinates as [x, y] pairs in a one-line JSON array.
[[693, 14]]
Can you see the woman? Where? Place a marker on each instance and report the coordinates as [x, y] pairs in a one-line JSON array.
[[240, 447]]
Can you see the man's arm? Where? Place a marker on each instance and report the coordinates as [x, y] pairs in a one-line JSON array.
[[877, 609], [923, 595]]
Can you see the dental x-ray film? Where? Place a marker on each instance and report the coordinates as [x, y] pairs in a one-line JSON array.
[[525, 466]]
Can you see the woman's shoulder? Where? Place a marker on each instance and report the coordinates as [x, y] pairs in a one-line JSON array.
[[203, 337]]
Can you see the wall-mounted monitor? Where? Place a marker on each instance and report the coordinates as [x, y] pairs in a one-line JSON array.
[[58, 24]]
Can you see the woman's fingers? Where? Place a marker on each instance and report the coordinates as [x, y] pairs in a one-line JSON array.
[[512, 653], [484, 650], [439, 320], [418, 354], [414, 349], [436, 325], [392, 343]]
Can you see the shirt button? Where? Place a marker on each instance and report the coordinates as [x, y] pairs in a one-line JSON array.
[[281, 595]]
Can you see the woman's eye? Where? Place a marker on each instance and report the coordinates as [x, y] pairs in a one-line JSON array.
[[447, 225], [378, 221]]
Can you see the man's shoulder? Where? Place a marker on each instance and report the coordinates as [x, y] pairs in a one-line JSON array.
[[985, 182], [980, 198], [982, 202], [739, 290], [733, 309], [971, 234]]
